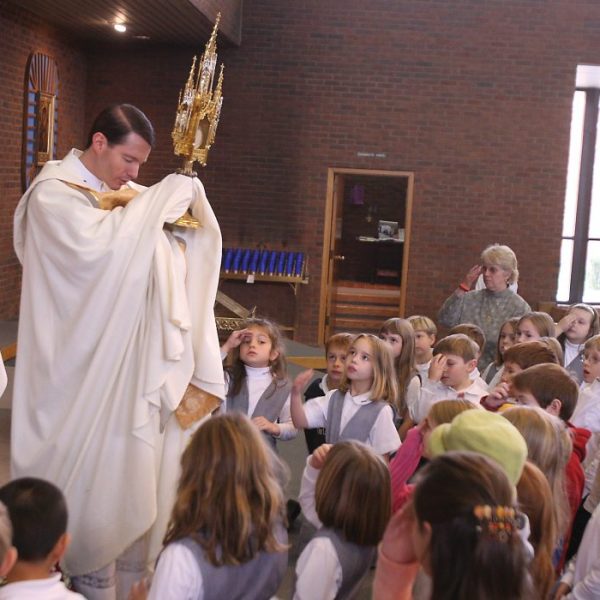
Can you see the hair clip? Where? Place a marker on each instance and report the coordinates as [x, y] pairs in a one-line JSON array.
[[498, 522]]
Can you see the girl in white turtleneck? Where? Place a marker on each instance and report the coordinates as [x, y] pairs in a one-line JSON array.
[[257, 379], [573, 330]]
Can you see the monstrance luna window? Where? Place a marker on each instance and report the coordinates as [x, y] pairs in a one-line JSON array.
[[41, 115]]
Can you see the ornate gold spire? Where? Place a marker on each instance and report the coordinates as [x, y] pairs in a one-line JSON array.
[[199, 108]]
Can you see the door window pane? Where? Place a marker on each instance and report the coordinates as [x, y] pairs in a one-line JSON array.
[[591, 289], [574, 165], [564, 275], [594, 229]]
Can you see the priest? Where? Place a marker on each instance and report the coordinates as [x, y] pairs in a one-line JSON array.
[[116, 327]]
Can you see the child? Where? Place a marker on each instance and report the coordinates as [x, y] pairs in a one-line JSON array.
[[406, 460], [400, 336], [550, 387], [578, 325], [506, 339], [349, 477], [535, 500], [360, 409], [587, 416], [549, 448], [38, 513], [454, 359], [226, 537], [425, 333], [258, 383], [462, 515], [516, 359], [336, 350], [533, 326], [476, 334]]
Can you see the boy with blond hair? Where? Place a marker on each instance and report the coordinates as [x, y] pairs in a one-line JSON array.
[[336, 350], [38, 513], [425, 336], [454, 358]]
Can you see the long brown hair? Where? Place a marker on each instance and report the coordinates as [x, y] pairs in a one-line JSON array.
[[535, 500], [548, 447], [405, 362], [384, 385], [278, 367], [466, 561], [229, 497], [352, 478]]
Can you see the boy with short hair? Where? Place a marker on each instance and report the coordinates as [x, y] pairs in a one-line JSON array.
[[38, 513], [425, 334], [336, 349], [454, 358], [552, 388], [477, 335], [517, 358]]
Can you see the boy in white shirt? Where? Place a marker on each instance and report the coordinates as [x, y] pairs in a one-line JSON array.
[[454, 358], [425, 333], [38, 513]]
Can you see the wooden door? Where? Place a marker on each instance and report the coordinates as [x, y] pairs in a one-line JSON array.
[[364, 271]]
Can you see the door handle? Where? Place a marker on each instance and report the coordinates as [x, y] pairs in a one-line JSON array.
[[339, 257]]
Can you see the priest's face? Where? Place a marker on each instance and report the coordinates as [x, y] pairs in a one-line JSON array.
[[119, 163]]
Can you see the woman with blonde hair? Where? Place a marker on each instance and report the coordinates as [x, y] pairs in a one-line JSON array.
[[491, 307]]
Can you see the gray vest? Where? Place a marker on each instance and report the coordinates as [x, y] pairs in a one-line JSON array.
[[355, 562], [360, 424], [575, 368], [269, 405], [257, 579]]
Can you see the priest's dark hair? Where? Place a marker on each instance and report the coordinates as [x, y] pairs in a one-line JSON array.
[[117, 121], [38, 513]]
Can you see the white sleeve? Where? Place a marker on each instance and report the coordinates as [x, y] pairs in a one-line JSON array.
[[569, 574], [177, 575], [588, 588], [412, 394], [287, 431], [3, 376], [315, 410], [384, 437], [431, 392], [318, 571], [306, 497]]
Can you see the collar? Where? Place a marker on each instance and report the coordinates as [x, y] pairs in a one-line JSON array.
[[73, 159], [255, 372], [360, 399]]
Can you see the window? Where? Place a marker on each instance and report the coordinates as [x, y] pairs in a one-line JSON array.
[[579, 276]]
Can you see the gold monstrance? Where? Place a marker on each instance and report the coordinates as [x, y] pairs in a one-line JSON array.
[[198, 114]]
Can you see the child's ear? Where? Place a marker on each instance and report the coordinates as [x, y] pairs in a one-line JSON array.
[[273, 356], [471, 364], [60, 547], [554, 407], [8, 562]]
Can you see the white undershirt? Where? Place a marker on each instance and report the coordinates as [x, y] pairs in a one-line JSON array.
[[572, 351]]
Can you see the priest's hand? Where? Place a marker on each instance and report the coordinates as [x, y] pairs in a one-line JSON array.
[[317, 458], [139, 590], [265, 425]]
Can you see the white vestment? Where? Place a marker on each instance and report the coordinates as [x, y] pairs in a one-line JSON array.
[[111, 331]]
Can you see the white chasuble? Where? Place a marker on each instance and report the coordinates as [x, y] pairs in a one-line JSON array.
[[114, 324]]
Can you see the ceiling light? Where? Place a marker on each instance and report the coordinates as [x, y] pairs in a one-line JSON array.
[[120, 27]]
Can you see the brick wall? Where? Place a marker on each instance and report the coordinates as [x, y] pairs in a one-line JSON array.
[[474, 97], [20, 35]]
